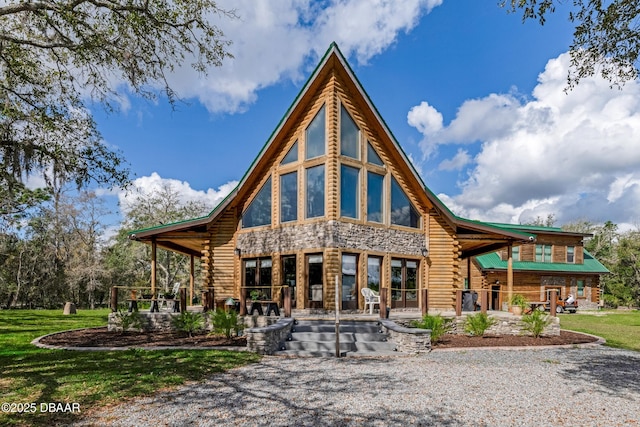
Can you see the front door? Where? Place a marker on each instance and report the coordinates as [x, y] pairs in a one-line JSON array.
[[315, 287], [495, 297], [404, 283]]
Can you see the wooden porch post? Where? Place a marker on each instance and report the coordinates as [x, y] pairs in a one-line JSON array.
[[191, 281], [383, 303], [509, 273], [286, 292], [483, 300], [459, 302], [114, 299], [425, 302], [554, 302], [153, 266]]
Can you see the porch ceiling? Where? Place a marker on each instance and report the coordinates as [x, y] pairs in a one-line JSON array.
[[185, 242]]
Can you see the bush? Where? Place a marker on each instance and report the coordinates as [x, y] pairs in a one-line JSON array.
[[188, 322], [478, 324], [224, 323], [519, 300], [438, 325], [127, 321], [536, 322]]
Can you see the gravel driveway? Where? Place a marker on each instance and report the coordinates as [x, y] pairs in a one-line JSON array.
[[545, 387]]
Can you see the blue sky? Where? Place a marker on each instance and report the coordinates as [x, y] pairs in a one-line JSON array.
[[473, 95]]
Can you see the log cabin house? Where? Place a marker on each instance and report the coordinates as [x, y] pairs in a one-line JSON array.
[[332, 195], [556, 260]]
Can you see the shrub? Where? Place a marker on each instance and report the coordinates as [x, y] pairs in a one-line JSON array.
[[519, 300], [188, 322], [224, 323], [127, 321], [478, 324], [438, 325], [536, 322]]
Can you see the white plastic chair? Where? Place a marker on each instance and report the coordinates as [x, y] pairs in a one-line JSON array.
[[371, 297]]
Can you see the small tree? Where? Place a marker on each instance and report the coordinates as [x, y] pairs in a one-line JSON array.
[[438, 325], [127, 321], [224, 323], [188, 322], [478, 324], [536, 322]]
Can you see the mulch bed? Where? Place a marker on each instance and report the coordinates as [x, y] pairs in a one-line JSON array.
[[100, 337], [565, 337]]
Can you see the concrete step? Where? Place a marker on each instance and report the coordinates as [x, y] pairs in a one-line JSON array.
[[311, 338]]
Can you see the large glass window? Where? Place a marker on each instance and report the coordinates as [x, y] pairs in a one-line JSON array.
[[349, 283], [257, 278], [315, 192], [292, 155], [374, 268], [289, 197], [259, 211], [402, 211], [404, 283], [349, 136], [372, 156], [349, 191], [375, 197], [315, 140]]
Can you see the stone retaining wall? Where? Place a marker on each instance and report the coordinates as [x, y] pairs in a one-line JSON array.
[[507, 324], [267, 339], [408, 340]]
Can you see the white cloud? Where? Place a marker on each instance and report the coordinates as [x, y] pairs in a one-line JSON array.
[[154, 183], [460, 160], [573, 154], [274, 41]]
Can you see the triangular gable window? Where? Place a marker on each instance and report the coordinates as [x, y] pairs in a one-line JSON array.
[[372, 156], [259, 211], [402, 211], [315, 136], [292, 155], [349, 136]]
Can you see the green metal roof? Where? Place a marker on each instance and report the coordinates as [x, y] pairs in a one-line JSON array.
[[591, 265]]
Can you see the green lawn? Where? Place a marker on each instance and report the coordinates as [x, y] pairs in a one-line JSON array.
[[91, 379], [621, 329]]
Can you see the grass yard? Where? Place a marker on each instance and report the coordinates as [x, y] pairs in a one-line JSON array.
[[621, 329], [30, 375]]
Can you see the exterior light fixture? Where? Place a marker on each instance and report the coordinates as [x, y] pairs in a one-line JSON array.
[[424, 252], [237, 251]]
